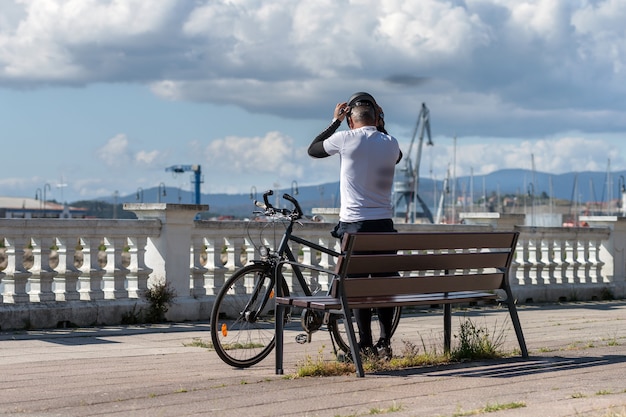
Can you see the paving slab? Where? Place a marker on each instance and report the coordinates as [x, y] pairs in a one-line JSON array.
[[576, 368]]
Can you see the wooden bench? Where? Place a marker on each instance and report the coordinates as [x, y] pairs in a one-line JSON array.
[[426, 269]]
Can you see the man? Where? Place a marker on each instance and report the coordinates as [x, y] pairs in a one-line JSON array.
[[368, 158]]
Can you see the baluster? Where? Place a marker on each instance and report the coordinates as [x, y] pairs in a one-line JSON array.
[[535, 262], [514, 278], [42, 274], [234, 246], [91, 277], [198, 252], [547, 256], [583, 245], [327, 261], [67, 278], [568, 270], [16, 275], [526, 265], [114, 279], [558, 260], [251, 250], [579, 261], [594, 258], [137, 277], [214, 264], [287, 270]]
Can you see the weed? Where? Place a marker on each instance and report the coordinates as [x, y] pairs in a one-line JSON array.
[[133, 316], [320, 367], [392, 409], [159, 297], [197, 342], [490, 408], [613, 341], [607, 294], [476, 343]]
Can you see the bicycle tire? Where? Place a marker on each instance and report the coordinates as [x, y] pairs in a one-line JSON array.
[[338, 331], [238, 340]]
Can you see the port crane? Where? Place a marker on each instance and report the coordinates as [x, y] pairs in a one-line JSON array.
[[197, 180], [407, 177]]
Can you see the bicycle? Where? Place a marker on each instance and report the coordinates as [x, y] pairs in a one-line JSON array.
[[242, 318]]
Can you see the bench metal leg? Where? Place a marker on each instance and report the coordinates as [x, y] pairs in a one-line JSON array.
[[278, 337], [354, 346], [447, 328], [517, 326]]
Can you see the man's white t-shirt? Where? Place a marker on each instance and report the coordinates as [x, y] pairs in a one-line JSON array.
[[368, 160]]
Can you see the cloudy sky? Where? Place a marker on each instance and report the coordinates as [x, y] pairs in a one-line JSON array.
[[103, 95]]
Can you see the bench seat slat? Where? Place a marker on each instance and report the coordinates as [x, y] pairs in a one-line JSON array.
[[333, 303]]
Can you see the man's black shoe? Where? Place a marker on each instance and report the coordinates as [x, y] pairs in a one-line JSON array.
[[383, 349]]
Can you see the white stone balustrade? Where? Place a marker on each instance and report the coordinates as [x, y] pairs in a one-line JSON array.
[[92, 271]]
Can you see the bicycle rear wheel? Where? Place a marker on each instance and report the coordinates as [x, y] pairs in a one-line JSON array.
[[340, 335], [242, 319]]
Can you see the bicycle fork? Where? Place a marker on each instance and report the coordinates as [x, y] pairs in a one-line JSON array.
[[263, 290]]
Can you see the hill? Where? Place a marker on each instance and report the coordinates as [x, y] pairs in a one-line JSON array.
[[579, 186]]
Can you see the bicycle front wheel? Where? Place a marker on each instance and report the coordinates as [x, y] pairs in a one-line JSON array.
[[242, 319], [339, 334]]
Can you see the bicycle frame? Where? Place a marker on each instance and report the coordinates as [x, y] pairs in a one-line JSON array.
[[275, 260], [285, 250]]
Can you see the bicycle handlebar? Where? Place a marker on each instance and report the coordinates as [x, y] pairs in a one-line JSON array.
[[270, 210], [293, 201]]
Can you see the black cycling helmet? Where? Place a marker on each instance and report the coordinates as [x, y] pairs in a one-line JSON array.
[[361, 97]]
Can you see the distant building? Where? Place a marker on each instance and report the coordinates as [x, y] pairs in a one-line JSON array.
[[31, 208]]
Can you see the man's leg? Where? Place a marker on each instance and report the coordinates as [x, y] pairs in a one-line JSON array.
[[383, 346], [363, 318]]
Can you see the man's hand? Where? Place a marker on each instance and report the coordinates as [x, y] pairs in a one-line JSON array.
[[341, 110], [380, 123]]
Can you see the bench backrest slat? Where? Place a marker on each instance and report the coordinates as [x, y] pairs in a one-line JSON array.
[[373, 264], [431, 241]]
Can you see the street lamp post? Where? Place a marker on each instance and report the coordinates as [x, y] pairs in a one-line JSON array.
[[622, 192], [159, 192], [46, 186], [139, 195], [116, 194], [531, 194], [38, 196]]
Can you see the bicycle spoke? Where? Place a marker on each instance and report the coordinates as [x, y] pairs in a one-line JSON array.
[[242, 321]]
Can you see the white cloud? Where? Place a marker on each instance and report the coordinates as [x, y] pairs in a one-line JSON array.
[[115, 153], [147, 157], [542, 58], [272, 153]]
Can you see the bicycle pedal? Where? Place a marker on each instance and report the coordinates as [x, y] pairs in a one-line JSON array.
[[302, 338]]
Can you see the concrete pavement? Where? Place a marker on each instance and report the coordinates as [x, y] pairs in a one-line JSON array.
[[577, 368]]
